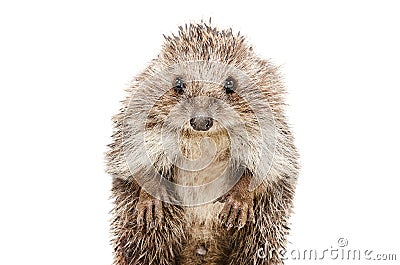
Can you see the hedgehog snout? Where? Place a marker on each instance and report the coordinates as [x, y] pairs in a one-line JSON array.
[[201, 123]]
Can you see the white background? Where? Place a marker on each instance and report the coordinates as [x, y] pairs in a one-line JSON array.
[[63, 68]]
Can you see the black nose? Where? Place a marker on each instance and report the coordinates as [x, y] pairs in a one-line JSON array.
[[201, 123]]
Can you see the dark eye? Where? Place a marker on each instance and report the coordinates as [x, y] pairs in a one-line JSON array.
[[179, 85], [230, 85]]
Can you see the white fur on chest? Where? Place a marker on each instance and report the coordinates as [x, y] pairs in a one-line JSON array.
[[201, 213], [207, 161]]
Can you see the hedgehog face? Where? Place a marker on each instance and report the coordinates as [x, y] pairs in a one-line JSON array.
[[198, 99], [202, 97]]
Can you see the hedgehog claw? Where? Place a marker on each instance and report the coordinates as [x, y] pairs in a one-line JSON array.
[[149, 212], [236, 212]]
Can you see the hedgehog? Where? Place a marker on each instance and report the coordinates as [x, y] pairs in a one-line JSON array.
[[203, 161]]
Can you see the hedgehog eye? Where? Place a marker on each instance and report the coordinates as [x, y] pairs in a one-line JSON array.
[[229, 85], [179, 85]]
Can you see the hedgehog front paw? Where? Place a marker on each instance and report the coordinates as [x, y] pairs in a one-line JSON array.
[[237, 211], [149, 211]]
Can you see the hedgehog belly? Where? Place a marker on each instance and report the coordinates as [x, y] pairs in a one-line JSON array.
[[206, 212], [206, 241]]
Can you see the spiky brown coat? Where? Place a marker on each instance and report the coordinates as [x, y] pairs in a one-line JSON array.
[[173, 239]]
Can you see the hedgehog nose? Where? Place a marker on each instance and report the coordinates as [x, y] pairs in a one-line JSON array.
[[201, 123]]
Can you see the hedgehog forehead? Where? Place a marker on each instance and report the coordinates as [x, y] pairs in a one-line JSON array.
[[201, 71]]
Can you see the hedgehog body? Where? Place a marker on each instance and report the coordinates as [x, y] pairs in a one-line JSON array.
[[203, 161]]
